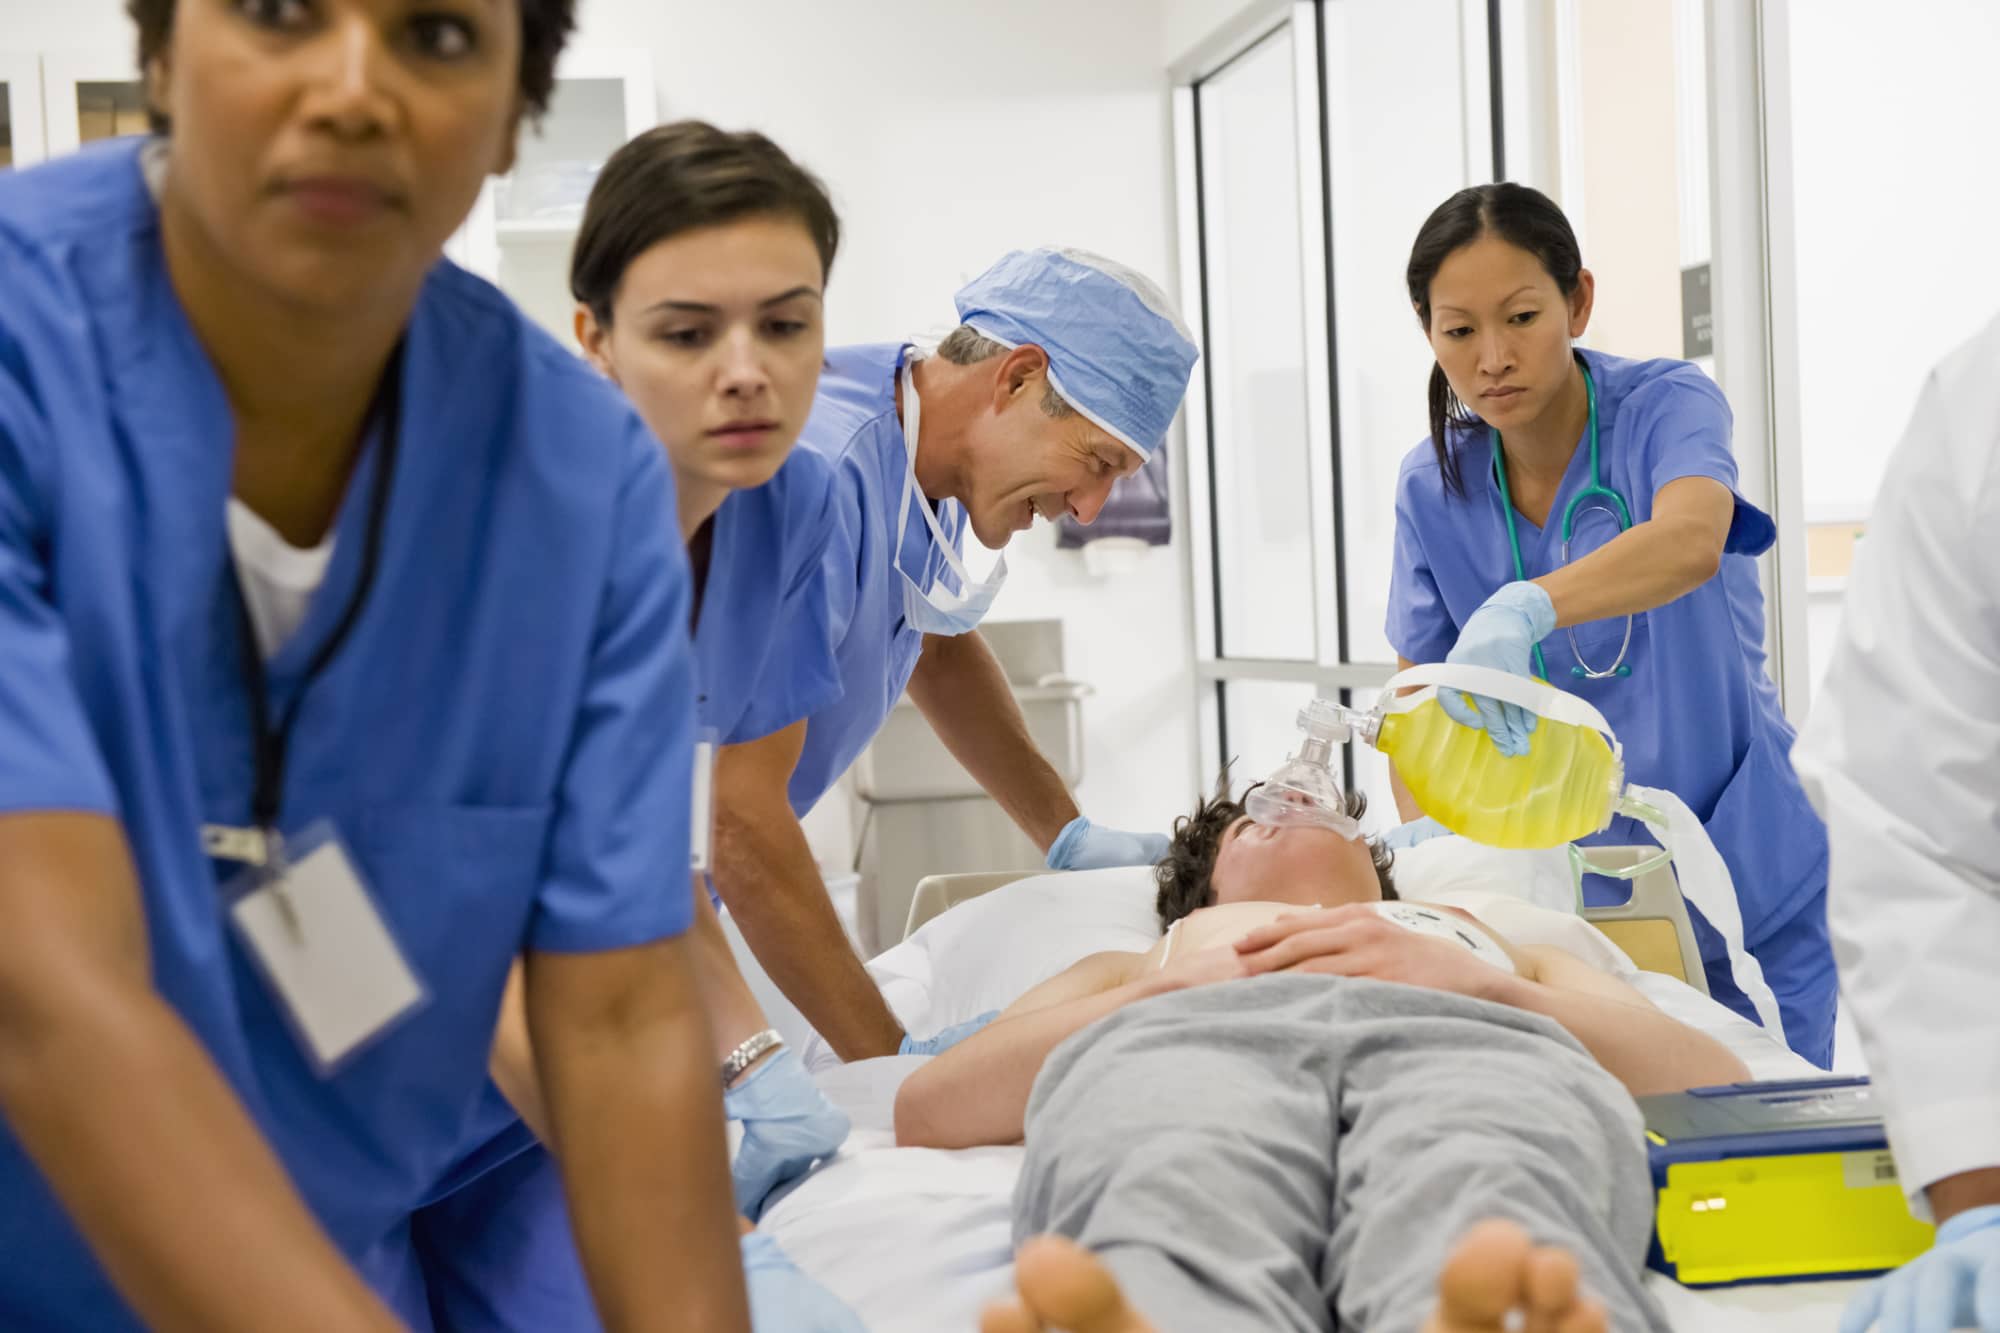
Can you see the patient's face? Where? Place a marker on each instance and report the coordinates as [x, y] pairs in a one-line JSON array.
[[1292, 864]]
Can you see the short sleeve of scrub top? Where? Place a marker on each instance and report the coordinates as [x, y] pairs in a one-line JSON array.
[[1419, 625], [1680, 425], [623, 808], [49, 759], [800, 674]]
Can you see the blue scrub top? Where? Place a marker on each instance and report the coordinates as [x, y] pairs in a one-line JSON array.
[[504, 742], [854, 426], [764, 650], [1698, 715], [764, 660]]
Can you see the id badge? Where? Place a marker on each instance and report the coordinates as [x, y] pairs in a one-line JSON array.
[[701, 821], [311, 924]]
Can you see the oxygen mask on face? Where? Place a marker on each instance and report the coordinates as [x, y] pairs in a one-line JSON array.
[[1304, 792]]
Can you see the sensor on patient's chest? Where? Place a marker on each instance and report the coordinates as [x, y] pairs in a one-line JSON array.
[[1426, 920]]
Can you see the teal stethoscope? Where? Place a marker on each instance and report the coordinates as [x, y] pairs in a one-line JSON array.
[[1593, 496]]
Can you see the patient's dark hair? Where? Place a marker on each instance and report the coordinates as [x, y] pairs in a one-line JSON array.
[[1186, 874]]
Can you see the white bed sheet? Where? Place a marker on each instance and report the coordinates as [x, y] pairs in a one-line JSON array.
[[918, 1240]]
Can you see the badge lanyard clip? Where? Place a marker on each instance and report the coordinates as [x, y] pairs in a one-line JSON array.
[[260, 845]]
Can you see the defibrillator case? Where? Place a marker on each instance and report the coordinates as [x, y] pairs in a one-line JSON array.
[[1775, 1182]]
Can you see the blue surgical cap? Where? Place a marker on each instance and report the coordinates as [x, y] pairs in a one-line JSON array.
[[1117, 352]]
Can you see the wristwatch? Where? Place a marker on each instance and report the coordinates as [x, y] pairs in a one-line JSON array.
[[747, 1054]]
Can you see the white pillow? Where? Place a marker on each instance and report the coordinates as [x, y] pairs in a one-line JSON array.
[[984, 954], [1431, 871]]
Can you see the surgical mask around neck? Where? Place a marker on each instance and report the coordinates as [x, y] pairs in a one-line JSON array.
[[1304, 792], [929, 608]]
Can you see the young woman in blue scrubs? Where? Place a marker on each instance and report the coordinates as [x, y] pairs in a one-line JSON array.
[[1574, 516], [304, 530], [699, 274]]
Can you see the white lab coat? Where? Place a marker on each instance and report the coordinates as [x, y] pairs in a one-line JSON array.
[[1901, 755]]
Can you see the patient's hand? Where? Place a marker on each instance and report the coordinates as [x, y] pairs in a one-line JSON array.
[[1204, 966], [1351, 941]]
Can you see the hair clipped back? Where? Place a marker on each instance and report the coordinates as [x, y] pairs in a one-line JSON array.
[[545, 29], [682, 177], [1186, 875], [1523, 217]]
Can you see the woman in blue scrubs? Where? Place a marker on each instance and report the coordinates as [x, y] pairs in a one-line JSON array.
[[343, 660], [1574, 516], [699, 274]]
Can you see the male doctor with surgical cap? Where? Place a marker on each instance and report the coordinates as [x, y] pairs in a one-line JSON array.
[[1062, 376], [1902, 756]]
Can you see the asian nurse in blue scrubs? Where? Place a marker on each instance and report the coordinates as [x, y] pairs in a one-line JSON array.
[[305, 532], [1575, 516], [699, 273]]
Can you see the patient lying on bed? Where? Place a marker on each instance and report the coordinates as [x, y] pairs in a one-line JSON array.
[[1306, 1141]]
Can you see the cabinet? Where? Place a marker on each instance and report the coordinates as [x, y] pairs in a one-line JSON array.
[[522, 230], [22, 140], [90, 95]]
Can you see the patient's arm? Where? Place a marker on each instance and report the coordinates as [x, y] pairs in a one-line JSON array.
[[977, 1092], [1636, 1043], [1642, 1047]]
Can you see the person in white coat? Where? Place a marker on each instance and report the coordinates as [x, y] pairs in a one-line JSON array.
[[1901, 755]]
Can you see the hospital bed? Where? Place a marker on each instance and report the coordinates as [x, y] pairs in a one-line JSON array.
[[1651, 927], [920, 1239]]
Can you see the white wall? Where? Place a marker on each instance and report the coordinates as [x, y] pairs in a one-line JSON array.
[[1185, 25], [948, 135], [76, 25]]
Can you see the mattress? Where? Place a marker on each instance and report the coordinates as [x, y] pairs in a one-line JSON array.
[[918, 1240]]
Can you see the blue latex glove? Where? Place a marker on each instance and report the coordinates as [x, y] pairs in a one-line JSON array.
[[1083, 845], [1954, 1284], [1404, 836], [1501, 634], [788, 1124], [784, 1300], [941, 1042]]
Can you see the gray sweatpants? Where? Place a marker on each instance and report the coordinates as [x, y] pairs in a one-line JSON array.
[[1302, 1152]]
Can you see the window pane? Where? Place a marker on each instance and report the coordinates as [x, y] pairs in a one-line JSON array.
[[1398, 147], [1260, 719], [1887, 203], [1256, 355], [1630, 166]]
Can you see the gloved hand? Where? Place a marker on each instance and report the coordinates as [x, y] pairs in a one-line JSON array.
[[788, 1124], [1501, 634], [1404, 836], [1083, 845], [1954, 1284], [939, 1043], [784, 1300]]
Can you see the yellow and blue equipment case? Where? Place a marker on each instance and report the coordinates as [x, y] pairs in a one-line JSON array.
[[1775, 1182]]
